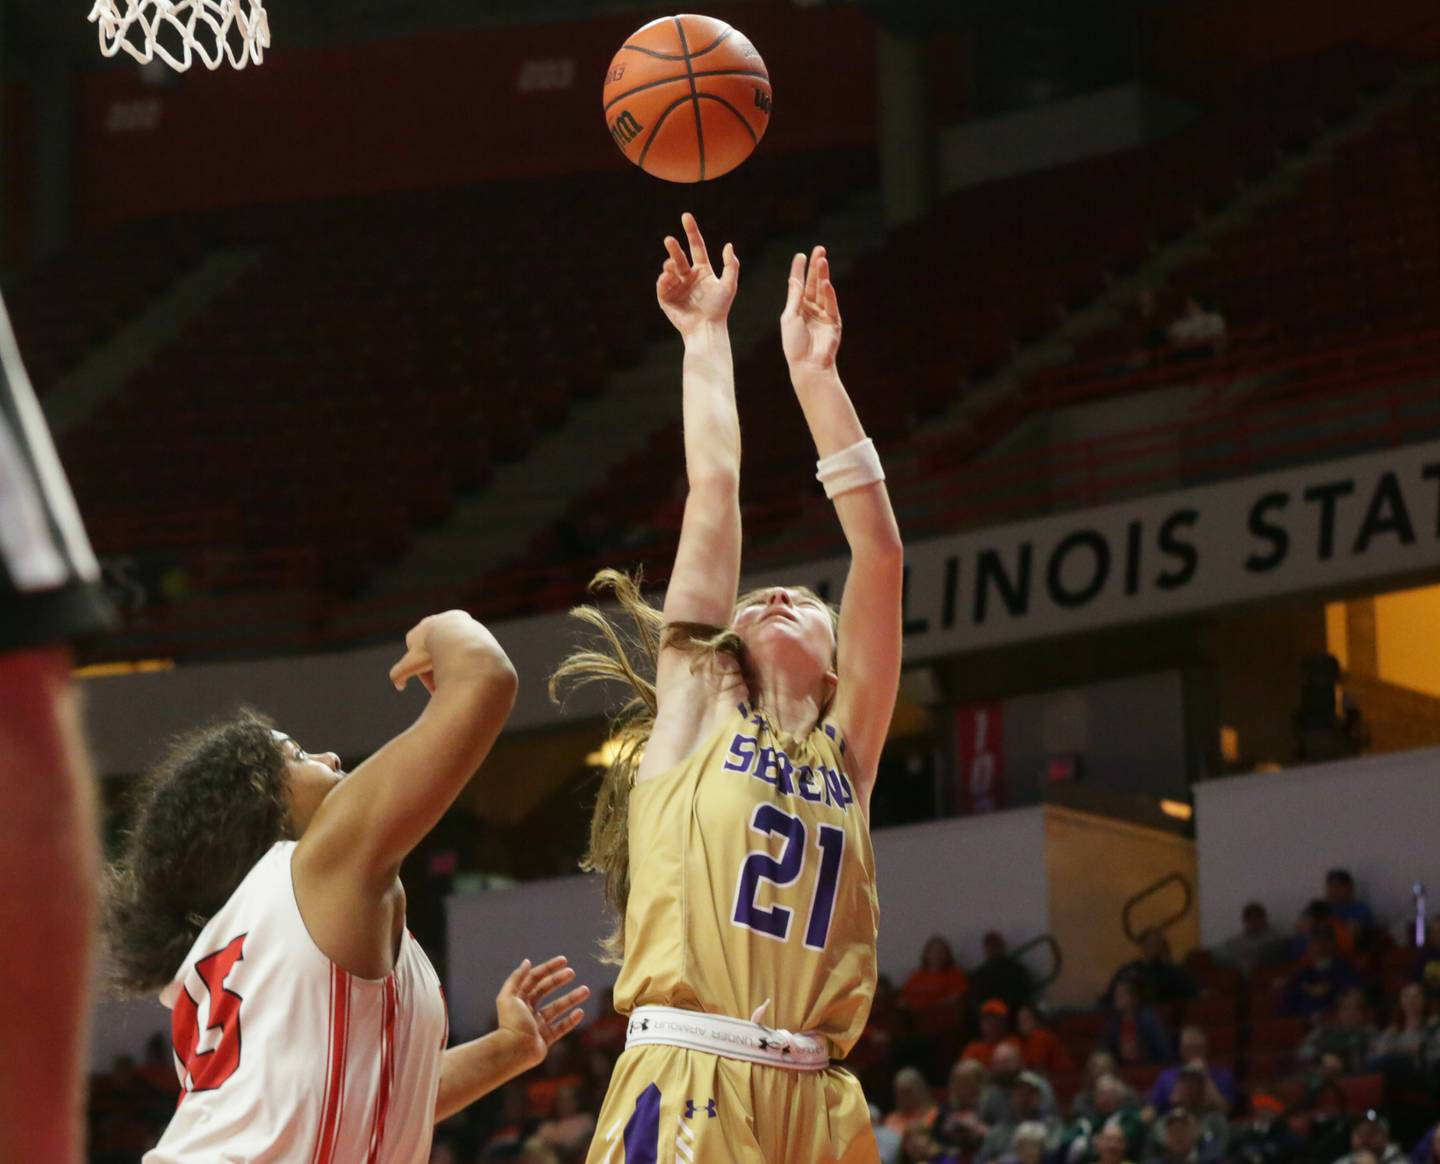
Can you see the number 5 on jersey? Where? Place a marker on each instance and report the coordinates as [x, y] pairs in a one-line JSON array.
[[774, 921], [210, 1056]]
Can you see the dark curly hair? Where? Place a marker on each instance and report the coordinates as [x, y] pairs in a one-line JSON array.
[[203, 817]]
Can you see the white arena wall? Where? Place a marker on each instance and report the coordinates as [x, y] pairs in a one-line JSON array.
[[1271, 837], [1025, 872]]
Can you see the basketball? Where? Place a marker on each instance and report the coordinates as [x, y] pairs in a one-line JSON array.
[[687, 98]]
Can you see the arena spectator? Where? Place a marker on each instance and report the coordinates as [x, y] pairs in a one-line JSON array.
[[537, 1151], [1111, 1107], [512, 1127], [1340, 894], [1029, 1145], [1413, 1037], [1001, 975], [1372, 1136], [555, 1072], [1100, 1064], [913, 1102], [1112, 1146], [1200, 330], [444, 1151], [1427, 1148], [958, 1124], [937, 980], [1321, 978], [1178, 1140], [1341, 1045], [1430, 957], [1257, 944], [1315, 915], [887, 1140], [1039, 1048], [1027, 1101], [1194, 1095], [996, 1102], [918, 1146], [569, 1130], [1194, 1052], [994, 1033], [1154, 973], [1134, 1033], [1266, 1137], [885, 1009]]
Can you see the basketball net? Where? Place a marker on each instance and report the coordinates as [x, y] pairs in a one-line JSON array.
[[177, 31]]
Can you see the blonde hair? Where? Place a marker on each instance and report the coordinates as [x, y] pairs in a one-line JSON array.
[[627, 652]]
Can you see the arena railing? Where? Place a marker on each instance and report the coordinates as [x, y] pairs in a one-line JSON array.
[[1378, 393]]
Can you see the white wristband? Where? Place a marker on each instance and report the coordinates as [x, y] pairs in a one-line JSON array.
[[850, 469]]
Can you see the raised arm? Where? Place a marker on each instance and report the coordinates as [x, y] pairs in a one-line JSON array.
[[706, 573], [346, 864], [870, 618]]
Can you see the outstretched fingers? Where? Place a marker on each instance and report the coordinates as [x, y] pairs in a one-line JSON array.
[[699, 256], [797, 285], [730, 276], [818, 268], [551, 1011], [677, 257], [554, 1032]]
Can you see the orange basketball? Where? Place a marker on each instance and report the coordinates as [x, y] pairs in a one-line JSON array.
[[687, 98]]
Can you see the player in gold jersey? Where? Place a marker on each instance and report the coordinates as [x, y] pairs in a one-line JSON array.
[[732, 829]]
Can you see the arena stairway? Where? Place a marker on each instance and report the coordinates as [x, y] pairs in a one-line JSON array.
[[527, 496]]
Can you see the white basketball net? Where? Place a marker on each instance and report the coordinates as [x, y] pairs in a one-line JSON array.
[[178, 31]]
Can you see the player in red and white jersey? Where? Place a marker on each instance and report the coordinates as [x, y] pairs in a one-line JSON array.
[[259, 891]]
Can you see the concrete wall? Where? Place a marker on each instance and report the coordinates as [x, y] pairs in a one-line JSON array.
[[1023, 872], [1272, 836], [958, 878], [1065, 131], [1093, 865]]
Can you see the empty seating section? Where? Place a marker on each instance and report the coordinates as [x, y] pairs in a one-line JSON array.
[[66, 306], [385, 353], [948, 299]]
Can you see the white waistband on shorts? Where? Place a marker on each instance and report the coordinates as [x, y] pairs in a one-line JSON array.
[[733, 1038]]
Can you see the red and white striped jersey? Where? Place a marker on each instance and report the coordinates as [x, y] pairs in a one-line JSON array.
[[283, 1056]]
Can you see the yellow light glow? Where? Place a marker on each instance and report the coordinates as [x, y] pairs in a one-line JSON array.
[[1177, 808], [127, 667], [1229, 744], [605, 755]]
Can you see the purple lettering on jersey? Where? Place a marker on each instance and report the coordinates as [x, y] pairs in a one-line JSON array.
[[837, 789], [742, 754], [810, 786], [775, 768]]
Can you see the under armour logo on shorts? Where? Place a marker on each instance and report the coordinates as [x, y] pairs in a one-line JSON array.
[[710, 1109]]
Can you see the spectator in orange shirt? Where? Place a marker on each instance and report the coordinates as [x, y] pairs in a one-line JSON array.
[[938, 980], [1039, 1047], [994, 1030]]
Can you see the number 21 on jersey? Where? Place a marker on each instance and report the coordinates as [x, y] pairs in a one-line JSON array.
[[774, 921]]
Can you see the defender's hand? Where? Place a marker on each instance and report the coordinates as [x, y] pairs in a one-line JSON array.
[[535, 1028]]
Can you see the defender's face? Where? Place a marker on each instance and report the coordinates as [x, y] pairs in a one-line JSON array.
[[310, 778]]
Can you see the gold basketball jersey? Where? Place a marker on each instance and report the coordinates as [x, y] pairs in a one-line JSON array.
[[752, 879]]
